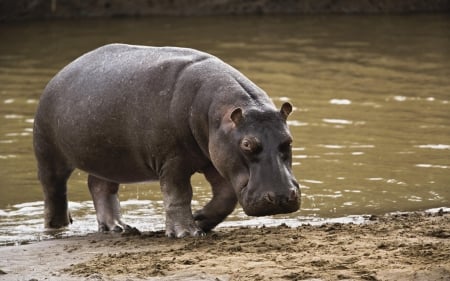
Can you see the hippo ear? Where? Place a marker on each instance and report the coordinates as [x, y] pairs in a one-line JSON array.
[[286, 109], [236, 116]]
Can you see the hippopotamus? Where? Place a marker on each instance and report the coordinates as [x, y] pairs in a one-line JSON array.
[[125, 114]]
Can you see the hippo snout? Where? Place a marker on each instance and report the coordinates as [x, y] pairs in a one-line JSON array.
[[274, 202], [281, 199]]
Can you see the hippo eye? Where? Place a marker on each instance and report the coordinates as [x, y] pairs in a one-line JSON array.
[[285, 149], [246, 144], [250, 145]]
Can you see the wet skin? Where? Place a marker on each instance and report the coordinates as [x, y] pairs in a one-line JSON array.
[[127, 114]]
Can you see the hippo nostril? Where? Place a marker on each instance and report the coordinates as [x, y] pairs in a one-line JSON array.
[[293, 195], [270, 197]]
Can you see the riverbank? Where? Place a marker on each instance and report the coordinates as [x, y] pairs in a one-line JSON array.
[[45, 9], [411, 246]]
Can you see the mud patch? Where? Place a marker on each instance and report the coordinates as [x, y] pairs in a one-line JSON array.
[[404, 245], [413, 246]]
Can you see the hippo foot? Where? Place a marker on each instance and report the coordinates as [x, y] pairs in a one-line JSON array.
[[180, 233], [56, 222], [180, 230], [205, 222], [115, 227]]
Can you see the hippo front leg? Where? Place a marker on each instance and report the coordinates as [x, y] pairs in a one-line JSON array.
[[107, 206], [177, 193], [221, 205]]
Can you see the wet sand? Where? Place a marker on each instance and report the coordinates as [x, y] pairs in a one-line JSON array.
[[413, 246]]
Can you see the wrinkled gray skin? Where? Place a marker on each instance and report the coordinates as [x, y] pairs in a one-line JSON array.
[[132, 113]]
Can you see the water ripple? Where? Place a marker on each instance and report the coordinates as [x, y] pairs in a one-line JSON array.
[[337, 121], [434, 146], [340, 101], [432, 166]]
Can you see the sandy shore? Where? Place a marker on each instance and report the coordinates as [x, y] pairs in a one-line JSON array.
[[414, 246]]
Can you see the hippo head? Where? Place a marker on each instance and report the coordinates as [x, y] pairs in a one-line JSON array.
[[252, 149]]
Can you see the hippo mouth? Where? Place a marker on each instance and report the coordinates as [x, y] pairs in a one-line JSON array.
[[269, 203]]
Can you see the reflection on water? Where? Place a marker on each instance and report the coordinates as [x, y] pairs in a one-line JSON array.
[[371, 123]]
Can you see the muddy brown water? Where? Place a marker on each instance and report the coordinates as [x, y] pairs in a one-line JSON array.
[[371, 124]]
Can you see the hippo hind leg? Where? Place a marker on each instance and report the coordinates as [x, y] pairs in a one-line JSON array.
[[221, 205], [53, 173], [107, 206]]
